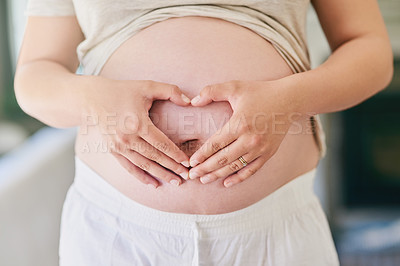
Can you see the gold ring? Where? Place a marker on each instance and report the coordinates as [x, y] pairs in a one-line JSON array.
[[243, 161]]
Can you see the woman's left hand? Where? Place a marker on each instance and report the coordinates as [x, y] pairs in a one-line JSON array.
[[262, 116]]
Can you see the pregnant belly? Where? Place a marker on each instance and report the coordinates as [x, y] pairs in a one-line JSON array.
[[192, 52]]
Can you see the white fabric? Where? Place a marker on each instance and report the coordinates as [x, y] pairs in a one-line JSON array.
[[107, 24], [100, 226]]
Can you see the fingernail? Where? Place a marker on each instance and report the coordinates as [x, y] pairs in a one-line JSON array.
[[185, 163], [185, 98], [193, 175], [205, 179], [228, 184], [174, 182], [151, 185], [185, 175], [194, 163], [196, 99]]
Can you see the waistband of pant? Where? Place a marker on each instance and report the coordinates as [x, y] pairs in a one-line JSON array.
[[286, 200]]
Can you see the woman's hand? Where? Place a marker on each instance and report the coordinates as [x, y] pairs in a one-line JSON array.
[[262, 116], [120, 110]]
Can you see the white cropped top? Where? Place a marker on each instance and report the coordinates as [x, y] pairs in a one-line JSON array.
[[107, 24]]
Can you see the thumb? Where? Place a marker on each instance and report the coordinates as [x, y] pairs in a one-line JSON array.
[[213, 93], [163, 91]]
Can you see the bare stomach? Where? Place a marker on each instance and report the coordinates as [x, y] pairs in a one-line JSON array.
[[192, 52]]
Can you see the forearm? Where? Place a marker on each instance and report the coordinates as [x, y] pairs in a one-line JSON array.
[[52, 94], [355, 71]]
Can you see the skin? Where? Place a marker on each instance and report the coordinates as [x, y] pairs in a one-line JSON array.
[[360, 66], [361, 57], [53, 66], [218, 52]]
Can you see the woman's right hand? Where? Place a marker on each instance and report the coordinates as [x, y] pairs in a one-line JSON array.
[[120, 110], [47, 89]]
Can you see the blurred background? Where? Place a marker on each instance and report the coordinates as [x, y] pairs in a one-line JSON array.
[[358, 181]]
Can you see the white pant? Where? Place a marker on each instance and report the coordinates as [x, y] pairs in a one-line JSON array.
[[100, 226]]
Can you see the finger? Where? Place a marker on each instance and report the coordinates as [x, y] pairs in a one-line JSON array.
[[164, 91], [223, 137], [152, 168], [153, 154], [227, 170], [215, 92], [160, 141], [136, 171], [221, 158], [245, 172]]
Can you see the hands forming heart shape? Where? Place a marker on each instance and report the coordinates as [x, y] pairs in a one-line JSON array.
[[262, 116]]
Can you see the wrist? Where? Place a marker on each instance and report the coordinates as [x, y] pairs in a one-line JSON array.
[[287, 95], [91, 87], [294, 91]]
